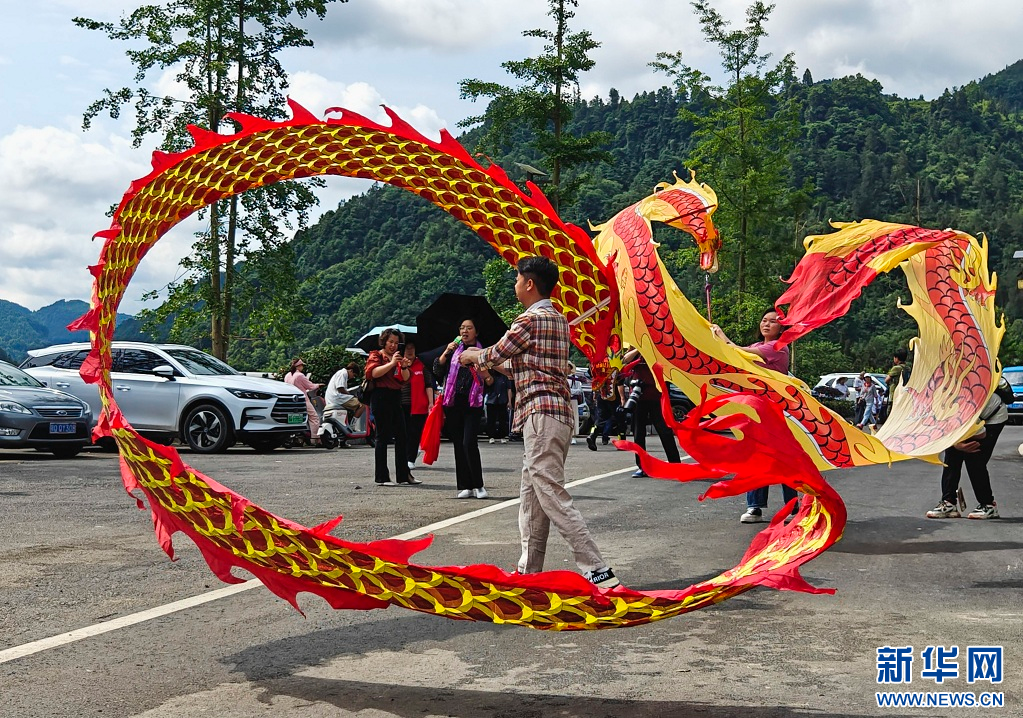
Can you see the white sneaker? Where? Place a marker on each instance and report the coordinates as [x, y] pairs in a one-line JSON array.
[[480, 493], [493, 441], [503, 441], [573, 442], [752, 516], [603, 578], [464, 494]]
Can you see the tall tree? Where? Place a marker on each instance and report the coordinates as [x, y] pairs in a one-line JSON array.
[[543, 103], [224, 54], [745, 132]]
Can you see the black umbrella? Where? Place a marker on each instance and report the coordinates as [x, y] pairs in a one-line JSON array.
[[437, 325]]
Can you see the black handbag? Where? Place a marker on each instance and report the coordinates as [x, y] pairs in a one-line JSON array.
[[364, 391]]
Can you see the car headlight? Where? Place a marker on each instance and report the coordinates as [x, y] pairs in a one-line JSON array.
[[252, 395], [13, 407]]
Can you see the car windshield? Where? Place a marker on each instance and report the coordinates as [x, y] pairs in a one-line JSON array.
[[1015, 378], [10, 376], [197, 362]]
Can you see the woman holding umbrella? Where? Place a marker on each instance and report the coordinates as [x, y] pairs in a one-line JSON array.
[[464, 387]]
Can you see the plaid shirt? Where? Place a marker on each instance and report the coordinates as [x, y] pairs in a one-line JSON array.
[[537, 346]]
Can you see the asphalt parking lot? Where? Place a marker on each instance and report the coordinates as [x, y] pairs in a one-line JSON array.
[[75, 553]]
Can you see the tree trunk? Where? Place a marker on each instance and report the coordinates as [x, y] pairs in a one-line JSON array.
[[558, 100]]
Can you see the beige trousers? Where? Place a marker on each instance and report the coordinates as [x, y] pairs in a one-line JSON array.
[[545, 500]]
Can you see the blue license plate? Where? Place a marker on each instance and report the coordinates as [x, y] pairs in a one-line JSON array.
[[56, 428], [1016, 405]]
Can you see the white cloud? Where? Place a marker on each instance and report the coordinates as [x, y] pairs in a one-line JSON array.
[[55, 189], [318, 94]]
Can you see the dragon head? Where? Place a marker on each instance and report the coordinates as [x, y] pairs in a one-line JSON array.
[[687, 206]]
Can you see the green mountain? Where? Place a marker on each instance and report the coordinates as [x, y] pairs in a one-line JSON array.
[[956, 161], [22, 329]]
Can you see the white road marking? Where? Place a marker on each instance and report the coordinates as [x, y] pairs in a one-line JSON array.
[[45, 644]]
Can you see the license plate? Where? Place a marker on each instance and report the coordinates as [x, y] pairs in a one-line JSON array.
[[296, 418], [56, 428]]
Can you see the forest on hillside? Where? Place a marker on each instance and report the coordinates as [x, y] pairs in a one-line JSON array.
[[956, 161]]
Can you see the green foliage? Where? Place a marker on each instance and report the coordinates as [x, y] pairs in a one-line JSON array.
[[1011, 352], [322, 362], [226, 55], [744, 134], [813, 357], [499, 283], [956, 161], [543, 104]]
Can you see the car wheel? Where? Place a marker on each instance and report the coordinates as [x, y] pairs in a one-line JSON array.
[[265, 446], [207, 430], [65, 451]]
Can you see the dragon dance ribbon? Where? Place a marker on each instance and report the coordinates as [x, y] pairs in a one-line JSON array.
[[612, 288]]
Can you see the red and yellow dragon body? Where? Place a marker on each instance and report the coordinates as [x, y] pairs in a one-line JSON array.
[[612, 287]]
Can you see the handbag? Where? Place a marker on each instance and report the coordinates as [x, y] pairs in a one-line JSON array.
[[364, 391]]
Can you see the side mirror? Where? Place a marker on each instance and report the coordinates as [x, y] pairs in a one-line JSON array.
[[166, 371]]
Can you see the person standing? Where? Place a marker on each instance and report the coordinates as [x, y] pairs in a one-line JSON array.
[[974, 452], [872, 401], [389, 369], [536, 349], [464, 387], [297, 378], [775, 358], [898, 374], [647, 409], [607, 405], [416, 400], [497, 400]]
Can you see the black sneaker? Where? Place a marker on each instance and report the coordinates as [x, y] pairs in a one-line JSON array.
[[591, 442], [604, 578]]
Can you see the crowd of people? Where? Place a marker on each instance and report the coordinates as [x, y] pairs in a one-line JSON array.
[[522, 385]]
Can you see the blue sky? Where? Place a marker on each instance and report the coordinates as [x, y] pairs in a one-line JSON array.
[[57, 182]]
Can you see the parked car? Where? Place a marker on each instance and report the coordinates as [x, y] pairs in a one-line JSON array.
[[825, 388], [33, 416], [1014, 375], [168, 391]]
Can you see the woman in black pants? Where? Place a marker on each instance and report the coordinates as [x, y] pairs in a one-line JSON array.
[[389, 370], [464, 388]]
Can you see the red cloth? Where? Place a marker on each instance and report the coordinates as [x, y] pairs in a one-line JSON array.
[[387, 381], [417, 380], [430, 443]]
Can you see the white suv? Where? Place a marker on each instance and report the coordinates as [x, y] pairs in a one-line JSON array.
[[168, 391]]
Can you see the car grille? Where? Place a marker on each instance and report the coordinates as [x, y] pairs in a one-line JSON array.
[[287, 404], [60, 412]]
